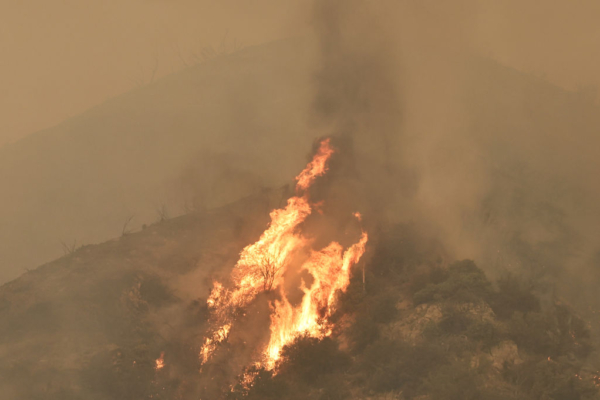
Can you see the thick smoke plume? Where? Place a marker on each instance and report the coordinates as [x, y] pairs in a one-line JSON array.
[[497, 164], [502, 175]]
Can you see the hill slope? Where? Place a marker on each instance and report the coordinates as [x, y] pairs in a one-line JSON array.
[[94, 323], [123, 301], [226, 122], [218, 131]]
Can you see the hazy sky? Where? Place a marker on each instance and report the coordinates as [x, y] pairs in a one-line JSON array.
[[61, 57]]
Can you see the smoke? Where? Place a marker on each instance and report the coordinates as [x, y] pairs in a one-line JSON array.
[[499, 165], [433, 132]]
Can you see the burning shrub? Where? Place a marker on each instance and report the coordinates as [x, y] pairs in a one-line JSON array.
[[438, 363], [262, 266], [268, 265], [309, 368], [265, 386]]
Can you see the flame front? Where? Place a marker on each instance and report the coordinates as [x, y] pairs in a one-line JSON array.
[[262, 266]]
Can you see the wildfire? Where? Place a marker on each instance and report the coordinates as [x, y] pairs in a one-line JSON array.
[[316, 168], [262, 266], [160, 361]]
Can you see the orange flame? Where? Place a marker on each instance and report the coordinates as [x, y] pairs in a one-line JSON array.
[[262, 265], [316, 168], [160, 361]]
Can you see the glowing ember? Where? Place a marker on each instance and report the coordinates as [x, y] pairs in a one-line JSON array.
[[160, 361], [262, 265]]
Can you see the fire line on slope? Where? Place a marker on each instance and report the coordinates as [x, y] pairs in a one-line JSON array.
[[262, 266]]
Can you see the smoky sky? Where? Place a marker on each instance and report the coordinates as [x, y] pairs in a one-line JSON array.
[[60, 58], [499, 164], [474, 119]]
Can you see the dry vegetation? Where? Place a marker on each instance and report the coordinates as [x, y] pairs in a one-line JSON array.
[[91, 325], [427, 330]]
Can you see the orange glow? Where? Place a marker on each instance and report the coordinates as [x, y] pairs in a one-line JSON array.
[[160, 361], [316, 168], [330, 268], [262, 266]]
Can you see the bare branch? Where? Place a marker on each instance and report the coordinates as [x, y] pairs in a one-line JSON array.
[[269, 265], [162, 212], [125, 231], [69, 249]]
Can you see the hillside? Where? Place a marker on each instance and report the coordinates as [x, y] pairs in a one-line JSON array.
[[93, 324], [125, 301], [220, 130], [194, 139], [173, 180]]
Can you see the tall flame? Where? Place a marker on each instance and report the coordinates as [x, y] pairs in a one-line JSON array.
[[262, 266], [315, 168]]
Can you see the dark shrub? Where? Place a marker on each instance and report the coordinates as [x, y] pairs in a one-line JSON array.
[[483, 332], [383, 309], [534, 332], [265, 387], [513, 295], [362, 332], [453, 382], [393, 365], [312, 359], [465, 283]]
